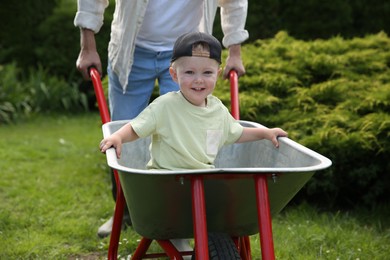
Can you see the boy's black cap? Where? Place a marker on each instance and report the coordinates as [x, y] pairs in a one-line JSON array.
[[184, 46]]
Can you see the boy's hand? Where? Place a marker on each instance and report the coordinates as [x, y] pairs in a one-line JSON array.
[[109, 142], [274, 133]]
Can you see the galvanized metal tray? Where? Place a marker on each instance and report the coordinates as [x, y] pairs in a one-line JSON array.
[[160, 201]]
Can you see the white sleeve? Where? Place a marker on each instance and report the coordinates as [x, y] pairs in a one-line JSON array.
[[90, 14], [233, 19]]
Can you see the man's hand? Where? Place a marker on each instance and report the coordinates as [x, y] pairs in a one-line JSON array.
[[234, 62]]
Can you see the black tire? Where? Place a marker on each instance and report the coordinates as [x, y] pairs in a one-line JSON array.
[[221, 247]]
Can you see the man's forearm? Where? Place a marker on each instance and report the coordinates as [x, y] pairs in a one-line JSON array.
[[87, 39], [235, 50]]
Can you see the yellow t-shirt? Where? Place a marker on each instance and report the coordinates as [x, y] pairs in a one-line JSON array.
[[185, 136]]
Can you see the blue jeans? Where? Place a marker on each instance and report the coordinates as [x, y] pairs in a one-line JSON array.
[[148, 67]]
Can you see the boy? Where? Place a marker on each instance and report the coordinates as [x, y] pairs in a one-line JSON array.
[[190, 126]]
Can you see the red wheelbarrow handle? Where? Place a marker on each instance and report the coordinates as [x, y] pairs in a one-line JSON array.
[[120, 199], [234, 101], [97, 85]]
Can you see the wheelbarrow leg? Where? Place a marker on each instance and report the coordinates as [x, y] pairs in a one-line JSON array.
[[245, 250], [264, 217], [170, 249], [243, 246], [142, 248], [117, 224], [199, 218]]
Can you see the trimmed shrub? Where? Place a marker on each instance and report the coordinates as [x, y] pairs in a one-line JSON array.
[[332, 96]]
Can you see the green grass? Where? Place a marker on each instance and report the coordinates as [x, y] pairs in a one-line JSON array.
[[304, 233], [55, 192], [53, 188]]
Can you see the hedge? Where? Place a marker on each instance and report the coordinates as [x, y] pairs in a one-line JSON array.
[[332, 96]]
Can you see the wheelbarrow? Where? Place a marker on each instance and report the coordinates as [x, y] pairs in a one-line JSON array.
[[221, 207]]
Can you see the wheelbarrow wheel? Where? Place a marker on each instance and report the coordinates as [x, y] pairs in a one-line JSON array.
[[221, 247]]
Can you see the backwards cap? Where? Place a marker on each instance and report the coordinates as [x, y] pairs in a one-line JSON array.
[[184, 46]]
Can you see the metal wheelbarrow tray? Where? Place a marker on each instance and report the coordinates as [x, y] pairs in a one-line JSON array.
[[161, 202]]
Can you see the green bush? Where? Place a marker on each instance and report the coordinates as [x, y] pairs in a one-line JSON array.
[[60, 44], [25, 93], [314, 19], [20, 20], [332, 96], [41, 33], [13, 102]]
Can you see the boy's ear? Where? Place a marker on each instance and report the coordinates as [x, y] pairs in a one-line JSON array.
[[173, 73]]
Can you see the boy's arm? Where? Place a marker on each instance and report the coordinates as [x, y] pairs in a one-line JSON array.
[[253, 134], [125, 134]]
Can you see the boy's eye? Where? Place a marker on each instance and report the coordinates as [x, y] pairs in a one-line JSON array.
[[208, 72], [189, 72]]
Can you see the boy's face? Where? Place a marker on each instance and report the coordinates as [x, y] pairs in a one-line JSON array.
[[196, 77]]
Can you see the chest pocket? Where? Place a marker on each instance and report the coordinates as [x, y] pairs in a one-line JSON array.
[[213, 141]]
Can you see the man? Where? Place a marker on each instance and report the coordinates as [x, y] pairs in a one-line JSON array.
[[140, 49]]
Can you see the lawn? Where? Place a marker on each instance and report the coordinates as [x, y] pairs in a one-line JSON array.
[[55, 192]]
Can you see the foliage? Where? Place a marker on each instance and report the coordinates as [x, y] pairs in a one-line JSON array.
[[24, 93], [314, 19], [64, 43], [20, 20], [332, 96], [12, 99], [53, 40], [58, 48]]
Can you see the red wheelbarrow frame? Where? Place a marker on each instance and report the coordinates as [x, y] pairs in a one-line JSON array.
[[198, 201]]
